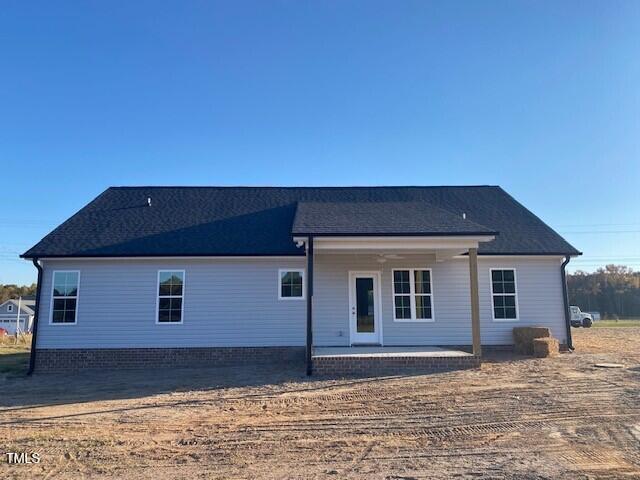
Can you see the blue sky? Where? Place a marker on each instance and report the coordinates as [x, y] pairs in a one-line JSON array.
[[542, 98]]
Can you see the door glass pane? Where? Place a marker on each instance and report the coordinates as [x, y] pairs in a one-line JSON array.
[[364, 305]]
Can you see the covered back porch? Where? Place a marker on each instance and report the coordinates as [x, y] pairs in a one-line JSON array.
[[371, 304], [370, 281]]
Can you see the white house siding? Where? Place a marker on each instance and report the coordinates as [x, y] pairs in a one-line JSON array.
[[234, 302], [540, 302], [539, 299], [227, 302]]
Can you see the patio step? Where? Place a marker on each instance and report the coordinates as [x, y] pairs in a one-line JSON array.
[[390, 364]]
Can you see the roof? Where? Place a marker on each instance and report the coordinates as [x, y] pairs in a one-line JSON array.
[[255, 221], [26, 306], [381, 218]]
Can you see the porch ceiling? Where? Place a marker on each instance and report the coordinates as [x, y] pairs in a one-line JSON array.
[[440, 247], [384, 255]]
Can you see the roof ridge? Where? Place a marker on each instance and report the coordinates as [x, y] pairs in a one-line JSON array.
[[288, 187]]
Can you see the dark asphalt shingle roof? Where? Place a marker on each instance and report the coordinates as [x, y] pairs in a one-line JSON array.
[[259, 220], [371, 218]]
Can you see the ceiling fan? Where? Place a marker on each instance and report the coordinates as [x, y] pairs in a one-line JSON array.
[[383, 257]]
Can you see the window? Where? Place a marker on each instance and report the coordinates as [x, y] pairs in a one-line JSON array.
[[504, 294], [412, 295], [170, 296], [402, 294], [290, 284], [64, 298], [10, 308]]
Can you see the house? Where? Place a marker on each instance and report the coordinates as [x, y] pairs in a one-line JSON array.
[[168, 276], [9, 315]]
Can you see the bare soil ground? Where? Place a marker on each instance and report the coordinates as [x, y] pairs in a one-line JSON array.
[[516, 418], [14, 355]]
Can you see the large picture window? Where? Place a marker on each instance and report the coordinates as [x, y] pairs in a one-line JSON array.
[[412, 295], [170, 296], [64, 297], [290, 284], [504, 294]]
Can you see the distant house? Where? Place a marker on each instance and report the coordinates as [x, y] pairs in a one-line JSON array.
[[169, 276], [9, 315]]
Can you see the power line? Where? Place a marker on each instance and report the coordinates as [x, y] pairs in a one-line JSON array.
[[579, 225], [608, 257], [26, 219], [590, 232], [604, 258], [606, 262], [602, 264]]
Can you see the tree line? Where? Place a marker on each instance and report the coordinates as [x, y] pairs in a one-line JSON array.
[[13, 291], [614, 291]]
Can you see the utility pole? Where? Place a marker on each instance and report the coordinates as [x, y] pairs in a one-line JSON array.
[[18, 318]]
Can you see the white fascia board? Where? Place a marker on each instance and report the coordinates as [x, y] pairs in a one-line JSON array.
[[400, 243], [506, 257]]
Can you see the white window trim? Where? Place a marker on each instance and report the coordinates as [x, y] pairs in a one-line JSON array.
[[412, 295], [184, 283], [77, 297], [301, 271], [10, 308], [515, 293]]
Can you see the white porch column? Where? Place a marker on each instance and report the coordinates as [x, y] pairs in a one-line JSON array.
[[475, 301]]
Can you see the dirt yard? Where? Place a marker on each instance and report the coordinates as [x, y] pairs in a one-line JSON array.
[[516, 418]]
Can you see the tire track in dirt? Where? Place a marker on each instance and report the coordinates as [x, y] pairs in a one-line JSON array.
[[409, 429]]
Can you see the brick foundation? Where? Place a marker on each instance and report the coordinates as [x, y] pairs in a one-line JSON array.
[[55, 360], [346, 366]]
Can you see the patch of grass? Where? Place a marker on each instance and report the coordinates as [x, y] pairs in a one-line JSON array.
[[616, 323], [14, 357]]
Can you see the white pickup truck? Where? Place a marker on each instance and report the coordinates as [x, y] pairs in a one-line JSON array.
[[580, 318]]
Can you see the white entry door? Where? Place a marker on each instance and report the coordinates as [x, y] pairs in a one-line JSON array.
[[364, 307]]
